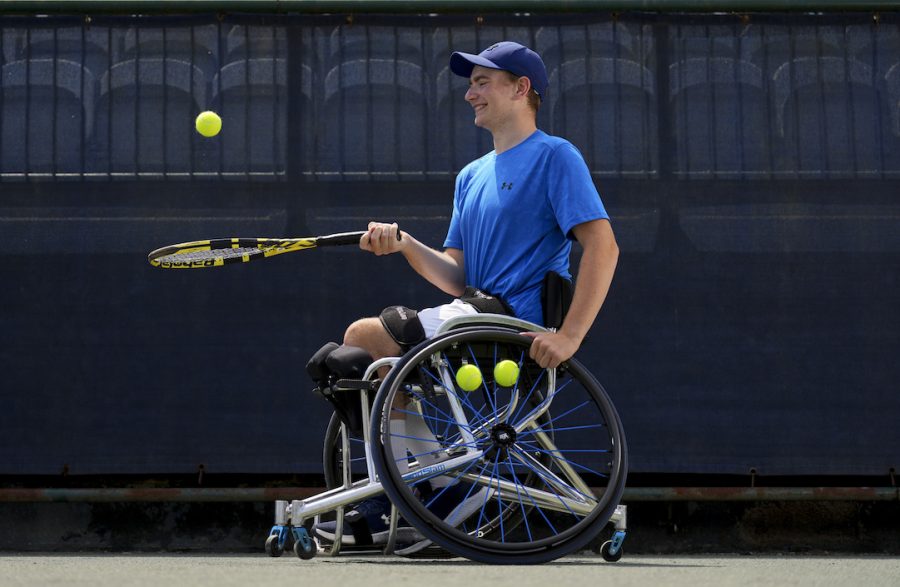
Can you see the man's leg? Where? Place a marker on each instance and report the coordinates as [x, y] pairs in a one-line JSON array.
[[370, 334]]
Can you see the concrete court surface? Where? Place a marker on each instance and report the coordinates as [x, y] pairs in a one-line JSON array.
[[174, 570]]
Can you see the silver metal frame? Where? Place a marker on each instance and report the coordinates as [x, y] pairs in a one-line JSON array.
[[574, 495]]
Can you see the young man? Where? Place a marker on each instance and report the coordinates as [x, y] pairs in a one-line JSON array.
[[515, 213]]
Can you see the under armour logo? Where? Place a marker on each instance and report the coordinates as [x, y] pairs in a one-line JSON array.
[[506, 186]]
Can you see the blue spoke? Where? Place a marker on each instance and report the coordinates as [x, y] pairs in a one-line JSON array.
[[563, 429], [449, 485], [468, 494], [428, 403], [551, 488], [477, 416], [488, 492], [567, 412], [563, 451], [527, 397], [573, 463], [500, 499], [559, 390], [487, 392], [540, 511], [417, 414], [463, 398], [515, 477], [416, 456]]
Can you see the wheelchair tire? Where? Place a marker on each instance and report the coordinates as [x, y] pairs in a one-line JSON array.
[[332, 454], [545, 486]]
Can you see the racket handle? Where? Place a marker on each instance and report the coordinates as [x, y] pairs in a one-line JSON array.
[[341, 238], [345, 238]]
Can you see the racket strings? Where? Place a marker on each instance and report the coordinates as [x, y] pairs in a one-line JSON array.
[[207, 255]]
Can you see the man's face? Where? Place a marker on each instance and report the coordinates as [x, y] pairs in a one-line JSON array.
[[491, 94]]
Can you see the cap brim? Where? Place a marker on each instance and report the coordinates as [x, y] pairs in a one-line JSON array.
[[463, 63]]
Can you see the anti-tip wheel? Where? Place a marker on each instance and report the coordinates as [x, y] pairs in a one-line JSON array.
[[273, 546], [608, 555], [305, 552]]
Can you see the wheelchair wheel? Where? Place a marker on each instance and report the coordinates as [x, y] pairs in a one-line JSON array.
[[333, 454], [521, 473]]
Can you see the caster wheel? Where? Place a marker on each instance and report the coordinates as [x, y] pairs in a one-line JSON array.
[[607, 554], [304, 545], [305, 552], [273, 546]]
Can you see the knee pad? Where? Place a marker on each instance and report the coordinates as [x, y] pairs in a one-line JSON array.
[[403, 325]]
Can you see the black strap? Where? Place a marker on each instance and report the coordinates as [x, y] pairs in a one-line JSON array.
[[486, 303], [403, 325]]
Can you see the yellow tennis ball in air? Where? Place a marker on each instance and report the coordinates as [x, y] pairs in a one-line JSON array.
[[468, 377], [208, 123], [506, 373]]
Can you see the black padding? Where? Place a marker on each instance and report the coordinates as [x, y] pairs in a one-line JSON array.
[[403, 325], [348, 362], [485, 302], [334, 362], [316, 367], [556, 298]]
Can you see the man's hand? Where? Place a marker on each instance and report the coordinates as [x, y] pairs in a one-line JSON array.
[[550, 349], [381, 239]]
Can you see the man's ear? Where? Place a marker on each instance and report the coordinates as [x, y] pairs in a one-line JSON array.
[[523, 86]]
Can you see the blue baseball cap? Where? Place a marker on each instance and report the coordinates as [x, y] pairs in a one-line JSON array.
[[508, 56]]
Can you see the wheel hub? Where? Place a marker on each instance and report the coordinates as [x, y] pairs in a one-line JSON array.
[[503, 435]]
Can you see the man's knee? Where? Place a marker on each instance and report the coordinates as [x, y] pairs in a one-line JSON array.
[[370, 334]]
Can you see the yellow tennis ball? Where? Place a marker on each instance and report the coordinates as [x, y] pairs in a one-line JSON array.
[[208, 123], [506, 373], [468, 377]]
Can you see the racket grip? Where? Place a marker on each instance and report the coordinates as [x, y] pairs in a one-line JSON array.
[[341, 238], [345, 238]]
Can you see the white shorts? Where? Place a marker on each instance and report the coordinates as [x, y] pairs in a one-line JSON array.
[[432, 318]]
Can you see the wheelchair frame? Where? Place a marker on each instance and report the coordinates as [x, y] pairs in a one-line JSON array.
[[291, 518]]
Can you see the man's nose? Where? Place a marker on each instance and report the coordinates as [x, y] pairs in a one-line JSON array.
[[470, 94]]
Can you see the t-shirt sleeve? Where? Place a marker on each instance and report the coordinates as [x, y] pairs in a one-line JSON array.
[[572, 193], [454, 235]]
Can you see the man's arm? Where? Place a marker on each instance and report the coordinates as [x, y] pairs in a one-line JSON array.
[[595, 273], [445, 269]]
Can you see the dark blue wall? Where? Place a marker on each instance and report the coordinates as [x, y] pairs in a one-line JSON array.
[[750, 166]]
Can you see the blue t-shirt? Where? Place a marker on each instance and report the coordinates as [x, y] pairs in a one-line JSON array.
[[513, 214]]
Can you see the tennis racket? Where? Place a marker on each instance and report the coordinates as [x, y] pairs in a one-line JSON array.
[[225, 251]]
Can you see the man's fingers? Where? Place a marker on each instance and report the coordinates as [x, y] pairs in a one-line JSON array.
[[543, 350], [537, 351], [378, 239]]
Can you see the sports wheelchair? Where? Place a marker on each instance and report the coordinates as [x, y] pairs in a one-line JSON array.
[[519, 473]]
